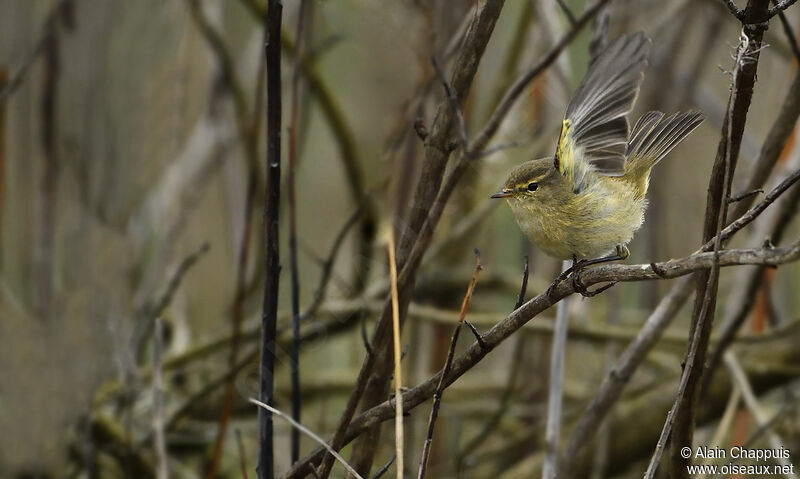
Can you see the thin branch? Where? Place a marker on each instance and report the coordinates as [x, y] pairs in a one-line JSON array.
[[567, 12], [158, 404], [157, 308], [779, 7], [679, 425], [269, 315], [778, 136], [307, 432], [558, 347], [516, 320], [398, 370], [743, 385], [242, 456], [743, 299], [743, 195], [50, 23], [787, 30], [519, 86], [377, 366], [380, 472], [437, 396], [523, 288], [733, 9], [327, 265], [295, 278], [451, 98]]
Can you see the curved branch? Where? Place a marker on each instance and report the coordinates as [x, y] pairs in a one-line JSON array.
[[517, 319]]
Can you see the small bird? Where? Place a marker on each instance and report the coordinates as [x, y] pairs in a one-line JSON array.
[[586, 203]]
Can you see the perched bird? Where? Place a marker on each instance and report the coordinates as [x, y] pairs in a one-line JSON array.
[[588, 201]]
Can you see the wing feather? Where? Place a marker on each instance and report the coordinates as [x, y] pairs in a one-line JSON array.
[[594, 134]]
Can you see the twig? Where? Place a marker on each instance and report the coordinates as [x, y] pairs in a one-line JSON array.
[[309, 433], [567, 12], [523, 288], [158, 404], [437, 396], [516, 320], [327, 264], [451, 98], [431, 174], [380, 472], [269, 315], [398, 370], [633, 356], [778, 135], [733, 9], [48, 27], [743, 301], [787, 30], [46, 205], [779, 7], [504, 404], [743, 195], [743, 385], [242, 456], [558, 349], [157, 308], [755, 211], [209, 387], [295, 293], [516, 359], [519, 85], [680, 420]]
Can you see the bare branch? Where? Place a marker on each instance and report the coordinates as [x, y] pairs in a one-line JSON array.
[[567, 12], [453, 101], [779, 7], [558, 349], [733, 9], [502, 330], [269, 314], [437, 396], [787, 30], [518, 87]]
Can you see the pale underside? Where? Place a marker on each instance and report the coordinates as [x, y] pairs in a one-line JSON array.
[[588, 224]]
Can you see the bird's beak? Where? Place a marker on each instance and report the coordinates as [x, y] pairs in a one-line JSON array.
[[501, 194]]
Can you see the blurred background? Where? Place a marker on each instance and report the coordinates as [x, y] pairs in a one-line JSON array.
[[131, 140]]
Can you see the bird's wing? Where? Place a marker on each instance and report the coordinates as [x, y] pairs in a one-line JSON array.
[[594, 134]]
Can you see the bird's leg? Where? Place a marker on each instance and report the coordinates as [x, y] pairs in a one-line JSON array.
[[621, 253]]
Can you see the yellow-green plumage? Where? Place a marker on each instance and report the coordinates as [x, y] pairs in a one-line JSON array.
[[590, 198]]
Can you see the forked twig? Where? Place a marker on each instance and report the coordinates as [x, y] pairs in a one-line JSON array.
[[437, 396]]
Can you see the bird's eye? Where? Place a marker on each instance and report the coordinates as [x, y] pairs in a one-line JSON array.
[[532, 186]]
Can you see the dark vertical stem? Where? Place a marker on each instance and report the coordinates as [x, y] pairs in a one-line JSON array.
[[754, 22], [3, 80], [43, 262], [269, 314], [295, 367]]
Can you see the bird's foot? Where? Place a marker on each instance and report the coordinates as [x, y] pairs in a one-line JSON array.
[[576, 266]]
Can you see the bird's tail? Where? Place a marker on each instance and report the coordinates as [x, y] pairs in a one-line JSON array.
[[652, 138]]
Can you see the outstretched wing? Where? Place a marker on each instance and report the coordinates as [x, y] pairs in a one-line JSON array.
[[594, 135]]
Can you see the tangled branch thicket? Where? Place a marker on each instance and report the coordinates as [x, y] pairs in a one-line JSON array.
[[398, 127]]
